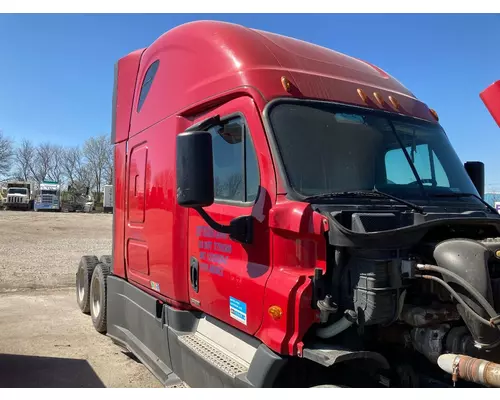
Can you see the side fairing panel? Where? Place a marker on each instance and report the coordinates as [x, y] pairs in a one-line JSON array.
[[156, 227], [119, 209]]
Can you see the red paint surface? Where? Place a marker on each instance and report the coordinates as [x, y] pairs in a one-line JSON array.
[[208, 68], [491, 99], [248, 267]]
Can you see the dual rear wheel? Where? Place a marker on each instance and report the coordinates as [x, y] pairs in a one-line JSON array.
[[91, 289]]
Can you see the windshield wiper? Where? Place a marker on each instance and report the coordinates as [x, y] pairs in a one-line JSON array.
[[365, 193], [461, 194]]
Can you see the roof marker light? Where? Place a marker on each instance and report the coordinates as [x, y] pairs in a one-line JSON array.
[[287, 85], [363, 95], [434, 114], [379, 98], [394, 102]]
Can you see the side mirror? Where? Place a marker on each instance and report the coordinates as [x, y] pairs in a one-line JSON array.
[[195, 183], [195, 170], [475, 170]]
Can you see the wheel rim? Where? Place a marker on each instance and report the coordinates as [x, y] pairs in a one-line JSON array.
[[96, 300], [80, 285]]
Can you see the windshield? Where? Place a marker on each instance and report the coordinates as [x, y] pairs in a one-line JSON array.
[[17, 191], [327, 148]]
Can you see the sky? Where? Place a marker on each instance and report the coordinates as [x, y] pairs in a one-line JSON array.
[[56, 71]]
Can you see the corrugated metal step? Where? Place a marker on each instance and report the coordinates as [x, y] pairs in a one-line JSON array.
[[213, 354]]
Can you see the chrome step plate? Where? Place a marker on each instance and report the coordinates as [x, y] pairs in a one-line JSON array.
[[212, 354]]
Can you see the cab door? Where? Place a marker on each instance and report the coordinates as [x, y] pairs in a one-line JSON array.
[[227, 278]]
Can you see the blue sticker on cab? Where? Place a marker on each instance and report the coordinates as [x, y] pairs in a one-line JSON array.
[[238, 310]]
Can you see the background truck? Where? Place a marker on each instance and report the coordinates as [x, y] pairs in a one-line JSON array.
[[49, 196], [19, 195], [77, 198], [286, 215], [107, 201]]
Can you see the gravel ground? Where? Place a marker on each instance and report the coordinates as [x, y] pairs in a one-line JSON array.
[[42, 250], [45, 341]]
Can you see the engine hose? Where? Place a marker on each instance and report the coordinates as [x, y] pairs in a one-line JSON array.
[[456, 296], [338, 326], [472, 290]]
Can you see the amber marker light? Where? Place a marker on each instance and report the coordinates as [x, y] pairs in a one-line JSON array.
[[434, 114], [379, 98], [394, 102], [287, 85], [363, 95], [275, 312]]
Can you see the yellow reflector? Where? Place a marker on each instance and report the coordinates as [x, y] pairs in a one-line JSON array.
[[286, 83], [363, 95], [275, 312], [379, 98], [394, 102], [434, 114]]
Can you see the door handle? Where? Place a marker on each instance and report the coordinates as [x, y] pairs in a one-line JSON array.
[[194, 272]]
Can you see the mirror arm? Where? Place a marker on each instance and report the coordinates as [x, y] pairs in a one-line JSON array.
[[211, 223], [239, 229]]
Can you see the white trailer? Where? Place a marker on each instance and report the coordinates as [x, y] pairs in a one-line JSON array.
[[107, 201]]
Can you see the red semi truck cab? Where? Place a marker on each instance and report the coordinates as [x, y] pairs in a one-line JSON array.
[[273, 200]]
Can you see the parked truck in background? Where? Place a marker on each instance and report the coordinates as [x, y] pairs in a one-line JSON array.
[[49, 196], [286, 215], [107, 201], [19, 195], [78, 198]]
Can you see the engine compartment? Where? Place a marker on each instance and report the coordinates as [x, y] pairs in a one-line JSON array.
[[421, 286]]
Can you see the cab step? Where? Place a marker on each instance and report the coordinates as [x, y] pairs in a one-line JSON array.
[[214, 354]]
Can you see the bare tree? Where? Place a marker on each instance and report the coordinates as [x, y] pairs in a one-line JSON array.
[[6, 154], [71, 163], [96, 151], [42, 163], [24, 159], [85, 176], [108, 168], [56, 172]]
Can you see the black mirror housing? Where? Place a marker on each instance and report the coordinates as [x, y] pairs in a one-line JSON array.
[[194, 169], [475, 170]]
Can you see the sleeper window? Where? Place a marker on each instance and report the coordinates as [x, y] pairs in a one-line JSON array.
[[146, 85]]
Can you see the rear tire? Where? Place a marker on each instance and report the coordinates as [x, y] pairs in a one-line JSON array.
[[98, 297], [83, 278], [105, 260]]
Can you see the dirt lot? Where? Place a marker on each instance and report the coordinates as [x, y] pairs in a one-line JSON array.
[[45, 341], [42, 250]]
